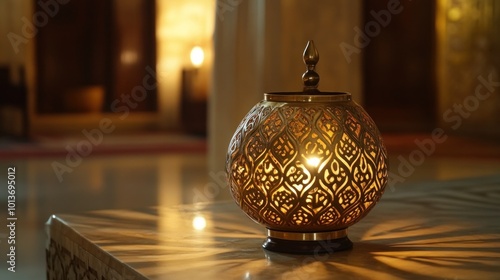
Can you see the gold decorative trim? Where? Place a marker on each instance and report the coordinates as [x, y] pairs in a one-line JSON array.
[[301, 97], [307, 236]]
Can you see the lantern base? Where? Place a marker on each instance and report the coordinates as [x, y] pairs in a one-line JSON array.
[[307, 243]]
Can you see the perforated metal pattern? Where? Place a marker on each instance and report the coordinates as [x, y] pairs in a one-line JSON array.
[[306, 166]]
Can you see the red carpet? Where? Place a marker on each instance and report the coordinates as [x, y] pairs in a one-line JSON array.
[[54, 146], [451, 146]]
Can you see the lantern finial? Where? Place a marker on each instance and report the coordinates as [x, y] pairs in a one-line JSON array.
[[310, 77]]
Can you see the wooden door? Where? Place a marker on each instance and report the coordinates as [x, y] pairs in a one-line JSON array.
[[398, 64], [89, 47]]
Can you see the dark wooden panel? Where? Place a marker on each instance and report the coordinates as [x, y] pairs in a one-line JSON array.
[[80, 48], [399, 70], [133, 51]]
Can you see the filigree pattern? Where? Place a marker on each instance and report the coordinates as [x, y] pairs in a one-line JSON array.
[[76, 264], [266, 174], [255, 146], [303, 168], [283, 149]]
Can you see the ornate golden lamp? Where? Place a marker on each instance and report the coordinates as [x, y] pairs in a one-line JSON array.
[[307, 165]]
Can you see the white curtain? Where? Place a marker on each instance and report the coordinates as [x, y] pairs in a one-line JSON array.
[[258, 48]]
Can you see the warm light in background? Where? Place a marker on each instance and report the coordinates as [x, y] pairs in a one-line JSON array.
[[197, 56], [180, 26], [128, 57]]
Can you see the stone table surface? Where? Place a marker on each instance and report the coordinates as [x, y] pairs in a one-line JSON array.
[[441, 230]]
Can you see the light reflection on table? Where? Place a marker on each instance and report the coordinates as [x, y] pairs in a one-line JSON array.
[[446, 230]]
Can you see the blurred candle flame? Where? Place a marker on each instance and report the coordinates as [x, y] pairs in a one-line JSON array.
[[197, 56]]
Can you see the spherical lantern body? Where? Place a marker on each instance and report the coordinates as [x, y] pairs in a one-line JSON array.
[[306, 166]]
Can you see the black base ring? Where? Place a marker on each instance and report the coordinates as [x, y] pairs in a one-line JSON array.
[[327, 246]]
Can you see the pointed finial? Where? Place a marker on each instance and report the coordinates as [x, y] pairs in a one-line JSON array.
[[310, 77]]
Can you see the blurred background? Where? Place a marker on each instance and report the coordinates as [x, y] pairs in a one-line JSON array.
[[116, 104], [66, 65]]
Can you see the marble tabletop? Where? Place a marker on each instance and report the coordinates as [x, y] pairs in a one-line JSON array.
[[441, 230]]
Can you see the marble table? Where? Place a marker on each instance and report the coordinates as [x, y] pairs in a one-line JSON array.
[[441, 230]]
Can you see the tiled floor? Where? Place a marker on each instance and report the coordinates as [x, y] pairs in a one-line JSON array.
[[135, 181]]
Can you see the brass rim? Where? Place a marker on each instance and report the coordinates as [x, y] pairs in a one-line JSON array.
[[302, 97], [307, 236]]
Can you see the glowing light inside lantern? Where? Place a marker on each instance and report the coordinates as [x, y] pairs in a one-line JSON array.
[[313, 161]]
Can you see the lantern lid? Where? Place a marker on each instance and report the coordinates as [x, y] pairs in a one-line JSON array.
[[310, 78]]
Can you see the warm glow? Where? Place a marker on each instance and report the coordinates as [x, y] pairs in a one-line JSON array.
[[304, 180], [199, 223], [128, 57], [179, 26], [306, 166], [454, 14], [197, 56], [313, 161]]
